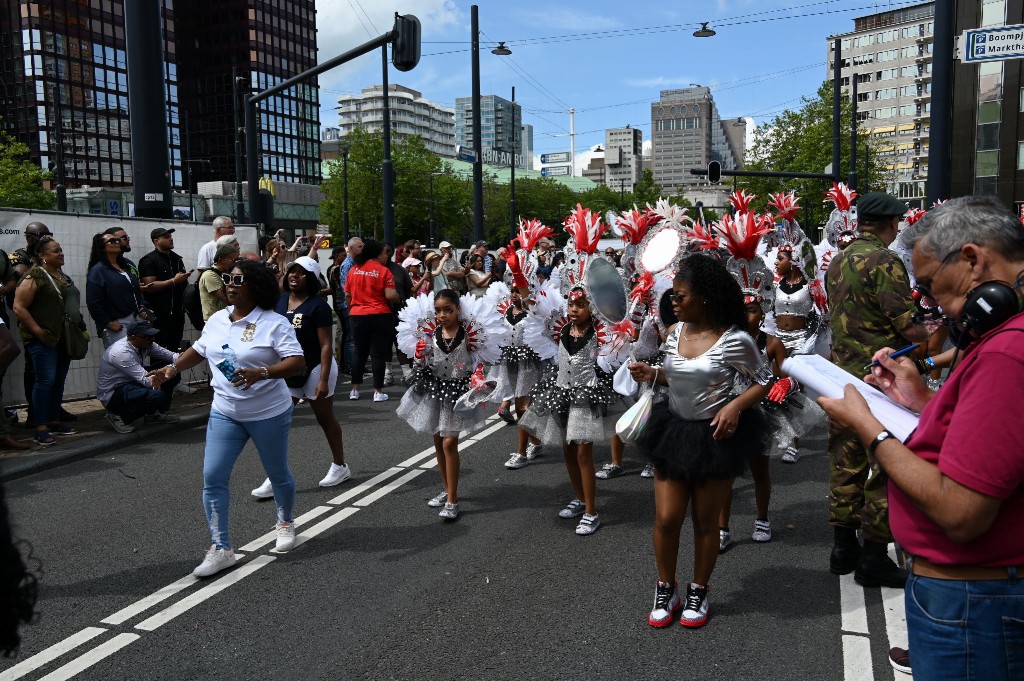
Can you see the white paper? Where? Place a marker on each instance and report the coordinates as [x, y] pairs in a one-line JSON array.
[[821, 377]]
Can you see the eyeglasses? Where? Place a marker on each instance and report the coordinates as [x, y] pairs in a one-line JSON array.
[[232, 279], [38, 236], [923, 287]]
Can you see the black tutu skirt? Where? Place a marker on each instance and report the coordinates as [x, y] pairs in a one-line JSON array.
[[685, 450]]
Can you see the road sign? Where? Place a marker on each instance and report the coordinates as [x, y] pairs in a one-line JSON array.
[[114, 207], [557, 157], [555, 171], [467, 155], [991, 44]]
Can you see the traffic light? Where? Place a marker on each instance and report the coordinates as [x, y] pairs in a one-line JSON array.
[[405, 48], [714, 172]]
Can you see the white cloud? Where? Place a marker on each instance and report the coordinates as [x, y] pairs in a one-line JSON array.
[[661, 81], [569, 19]]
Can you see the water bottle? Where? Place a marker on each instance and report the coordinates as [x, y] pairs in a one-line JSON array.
[[229, 364]]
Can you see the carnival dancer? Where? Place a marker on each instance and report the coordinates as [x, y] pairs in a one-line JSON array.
[[569, 406], [450, 337], [700, 439]]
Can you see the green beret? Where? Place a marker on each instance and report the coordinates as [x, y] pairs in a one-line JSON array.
[[878, 205]]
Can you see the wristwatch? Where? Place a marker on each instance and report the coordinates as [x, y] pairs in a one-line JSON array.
[[879, 439]]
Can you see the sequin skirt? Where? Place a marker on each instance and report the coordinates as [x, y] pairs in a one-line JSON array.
[[799, 342], [428, 406], [515, 378], [685, 450], [794, 418], [574, 414]]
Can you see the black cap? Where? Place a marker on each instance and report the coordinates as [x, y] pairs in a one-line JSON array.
[[338, 250], [159, 232], [876, 205], [142, 329]]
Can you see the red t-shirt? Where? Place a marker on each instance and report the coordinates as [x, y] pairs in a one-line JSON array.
[[365, 286], [973, 430]]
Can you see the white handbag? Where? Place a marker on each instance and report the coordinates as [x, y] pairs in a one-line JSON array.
[[623, 383], [632, 423]]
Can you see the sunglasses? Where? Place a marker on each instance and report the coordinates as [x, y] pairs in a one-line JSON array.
[[232, 279], [115, 240]]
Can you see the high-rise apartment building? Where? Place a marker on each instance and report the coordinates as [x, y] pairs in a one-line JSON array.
[[499, 118], [687, 132], [411, 114], [890, 55], [623, 157], [64, 80]]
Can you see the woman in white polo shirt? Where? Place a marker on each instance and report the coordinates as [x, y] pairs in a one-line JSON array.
[[250, 400]]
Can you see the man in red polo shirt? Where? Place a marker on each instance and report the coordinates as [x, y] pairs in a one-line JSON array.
[[956, 487]]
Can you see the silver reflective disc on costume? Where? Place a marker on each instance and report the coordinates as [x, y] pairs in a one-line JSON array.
[[660, 249], [605, 290]]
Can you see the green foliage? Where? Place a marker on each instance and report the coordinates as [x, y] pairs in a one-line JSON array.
[[21, 181], [800, 140]]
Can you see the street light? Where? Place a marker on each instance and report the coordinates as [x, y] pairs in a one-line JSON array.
[[501, 50], [704, 31], [344, 146], [512, 175]]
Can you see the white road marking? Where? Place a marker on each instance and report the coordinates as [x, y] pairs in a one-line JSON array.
[[857, 663], [324, 525], [259, 543], [90, 658], [45, 657], [191, 601], [388, 488], [895, 611], [851, 597], [125, 614], [362, 487], [416, 458]]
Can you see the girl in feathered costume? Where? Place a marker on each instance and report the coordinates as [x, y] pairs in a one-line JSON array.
[[519, 368], [570, 404], [451, 338]]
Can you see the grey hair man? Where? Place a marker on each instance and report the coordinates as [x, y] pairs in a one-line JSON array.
[[222, 226]]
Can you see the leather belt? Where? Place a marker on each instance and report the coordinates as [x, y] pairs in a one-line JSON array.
[[925, 568]]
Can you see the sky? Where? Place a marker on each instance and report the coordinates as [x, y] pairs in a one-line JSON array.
[[590, 55]]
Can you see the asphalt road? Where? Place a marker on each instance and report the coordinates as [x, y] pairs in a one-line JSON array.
[[382, 589]]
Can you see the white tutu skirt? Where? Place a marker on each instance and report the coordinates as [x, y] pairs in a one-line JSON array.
[[581, 423], [794, 418], [428, 406], [515, 378]]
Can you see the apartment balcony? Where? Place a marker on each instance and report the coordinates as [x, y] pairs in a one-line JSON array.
[[923, 78], [923, 116], [923, 58], [924, 133], [920, 99]]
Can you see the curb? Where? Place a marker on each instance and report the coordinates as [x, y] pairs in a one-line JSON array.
[[19, 467]]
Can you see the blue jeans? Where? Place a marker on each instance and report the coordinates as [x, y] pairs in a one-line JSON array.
[[965, 629], [51, 367], [131, 401], [225, 438]]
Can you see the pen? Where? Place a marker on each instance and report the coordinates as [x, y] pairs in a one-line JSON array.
[[899, 353]]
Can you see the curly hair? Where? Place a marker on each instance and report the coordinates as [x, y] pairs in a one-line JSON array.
[[98, 253], [312, 282], [35, 250], [708, 278], [371, 251], [262, 282]]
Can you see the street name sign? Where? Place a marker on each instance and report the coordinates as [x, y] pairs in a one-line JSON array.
[[555, 171], [557, 157], [991, 44]]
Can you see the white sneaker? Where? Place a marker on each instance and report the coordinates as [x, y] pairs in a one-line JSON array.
[[533, 451], [449, 512], [336, 475], [762, 531], [264, 491], [724, 540], [588, 524], [353, 395], [406, 375], [184, 388], [648, 471], [161, 417], [388, 378], [517, 461], [381, 397], [215, 561], [791, 455], [438, 500], [118, 424], [285, 537], [575, 509]]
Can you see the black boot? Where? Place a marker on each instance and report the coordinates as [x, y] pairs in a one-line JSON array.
[[875, 568], [845, 551]]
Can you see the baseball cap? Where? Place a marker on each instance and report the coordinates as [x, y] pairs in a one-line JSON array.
[[307, 263], [142, 329], [444, 244], [410, 261], [159, 232]]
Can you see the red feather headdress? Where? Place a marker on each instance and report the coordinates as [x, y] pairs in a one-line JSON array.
[[586, 228], [532, 231]]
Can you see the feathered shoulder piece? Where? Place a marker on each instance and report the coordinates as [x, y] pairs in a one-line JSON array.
[[915, 214], [486, 330], [543, 324], [532, 231], [500, 296], [416, 323], [613, 343], [633, 224], [786, 205]]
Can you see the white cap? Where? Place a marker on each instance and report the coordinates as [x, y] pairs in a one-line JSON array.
[[444, 244], [307, 263]]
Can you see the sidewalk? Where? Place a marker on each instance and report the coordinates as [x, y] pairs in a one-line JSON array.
[[95, 435]]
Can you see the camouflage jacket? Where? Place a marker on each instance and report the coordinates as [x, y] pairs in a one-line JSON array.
[[869, 296]]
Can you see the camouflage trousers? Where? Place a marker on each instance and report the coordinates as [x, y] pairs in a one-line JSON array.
[[858, 496]]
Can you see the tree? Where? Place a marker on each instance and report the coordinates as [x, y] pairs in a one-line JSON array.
[[21, 180], [800, 140], [646, 191]]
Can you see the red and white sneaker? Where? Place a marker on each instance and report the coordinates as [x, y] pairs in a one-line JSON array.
[[666, 605], [695, 611]]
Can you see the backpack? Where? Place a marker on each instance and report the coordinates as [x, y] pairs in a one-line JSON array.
[[193, 306]]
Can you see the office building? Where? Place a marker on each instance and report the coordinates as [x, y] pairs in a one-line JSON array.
[[77, 50], [988, 112], [687, 132], [890, 55], [623, 157], [411, 114], [499, 118]]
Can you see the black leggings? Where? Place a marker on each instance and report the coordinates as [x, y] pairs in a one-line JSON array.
[[373, 335]]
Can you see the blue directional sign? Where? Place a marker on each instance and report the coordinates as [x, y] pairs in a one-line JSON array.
[[115, 208], [555, 171], [464, 154], [557, 157], [992, 44]]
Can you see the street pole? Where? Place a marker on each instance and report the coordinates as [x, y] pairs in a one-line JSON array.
[[344, 194], [837, 107], [852, 179], [512, 177], [940, 137], [478, 168], [431, 235], [252, 135], [239, 201], [386, 168], [572, 142]]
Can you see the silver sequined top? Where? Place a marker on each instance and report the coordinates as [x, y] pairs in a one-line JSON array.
[[579, 369], [797, 304], [447, 366], [699, 387]]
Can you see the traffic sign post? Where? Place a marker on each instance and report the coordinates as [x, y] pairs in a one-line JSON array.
[[555, 171], [557, 157]]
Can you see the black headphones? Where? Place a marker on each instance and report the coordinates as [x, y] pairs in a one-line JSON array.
[[988, 306]]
